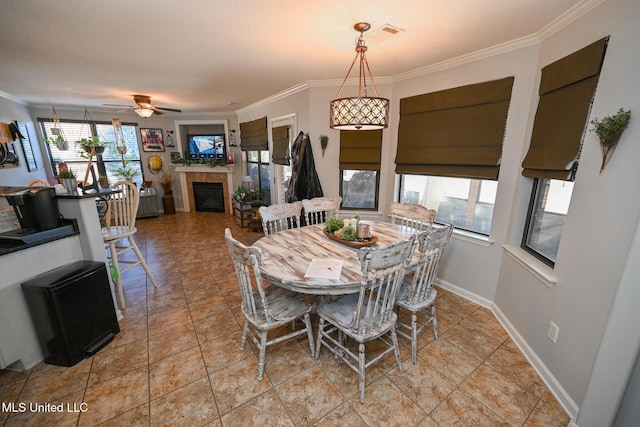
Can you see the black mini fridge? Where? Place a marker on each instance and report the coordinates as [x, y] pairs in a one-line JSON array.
[[72, 311]]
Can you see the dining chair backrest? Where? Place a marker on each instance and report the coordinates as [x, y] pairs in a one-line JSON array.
[[382, 272], [411, 215], [283, 216], [318, 209], [246, 262], [123, 206], [431, 246], [38, 183]]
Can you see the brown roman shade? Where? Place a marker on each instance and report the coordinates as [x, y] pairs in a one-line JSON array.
[[455, 132], [360, 150], [253, 135], [280, 136], [566, 92]]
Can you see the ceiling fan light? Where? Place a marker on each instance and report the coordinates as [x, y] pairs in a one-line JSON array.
[[144, 112]]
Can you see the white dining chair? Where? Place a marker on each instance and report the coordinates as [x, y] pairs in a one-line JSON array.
[[318, 209], [265, 307], [416, 293], [410, 215], [369, 314], [283, 216], [118, 232]]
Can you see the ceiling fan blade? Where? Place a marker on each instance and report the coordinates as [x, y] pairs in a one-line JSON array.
[[168, 109], [118, 105]]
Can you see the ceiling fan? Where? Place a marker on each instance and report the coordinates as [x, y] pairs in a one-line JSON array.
[[143, 106]]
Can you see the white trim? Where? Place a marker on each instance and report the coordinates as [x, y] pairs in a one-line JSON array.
[[475, 238], [561, 395], [568, 17], [540, 271]]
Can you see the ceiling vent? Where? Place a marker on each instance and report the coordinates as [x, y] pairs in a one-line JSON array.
[[383, 33]]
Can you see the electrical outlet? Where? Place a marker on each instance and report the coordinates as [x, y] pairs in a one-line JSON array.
[[553, 332]]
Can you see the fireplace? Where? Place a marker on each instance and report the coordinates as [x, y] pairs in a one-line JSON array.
[[208, 196]]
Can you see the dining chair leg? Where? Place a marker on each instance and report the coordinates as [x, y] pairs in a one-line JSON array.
[[118, 282], [245, 332], [319, 340], [142, 261], [307, 322], [414, 336], [361, 369], [396, 348], [434, 320], [263, 350]]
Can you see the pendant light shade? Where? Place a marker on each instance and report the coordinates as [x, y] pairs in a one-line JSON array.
[[360, 112]]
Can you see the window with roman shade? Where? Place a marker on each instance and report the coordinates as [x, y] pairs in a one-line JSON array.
[[254, 136], [567, 88], [360, 149], [456, 132], [280, 136]]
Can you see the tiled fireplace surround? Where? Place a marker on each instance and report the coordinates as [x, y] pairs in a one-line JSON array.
[[189, 175]]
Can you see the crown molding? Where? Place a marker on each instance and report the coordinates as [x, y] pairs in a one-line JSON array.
[[12, 98], [568, 17]]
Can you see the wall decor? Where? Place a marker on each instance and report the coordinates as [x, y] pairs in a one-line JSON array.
[[30, 159], [609, 129], [151, 139]]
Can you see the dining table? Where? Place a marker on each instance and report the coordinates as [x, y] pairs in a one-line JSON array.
[[286, 256]]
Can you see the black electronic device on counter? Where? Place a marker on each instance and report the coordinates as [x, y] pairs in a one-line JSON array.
[[72, 311], [36, 208]]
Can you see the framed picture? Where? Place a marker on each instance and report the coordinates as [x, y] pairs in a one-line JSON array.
[[151, 139], [26, 146]]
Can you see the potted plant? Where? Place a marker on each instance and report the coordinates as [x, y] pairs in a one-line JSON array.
[[92, 143], [69, 181], [167, 200], [609, 129], [58, 141], [126, 172]]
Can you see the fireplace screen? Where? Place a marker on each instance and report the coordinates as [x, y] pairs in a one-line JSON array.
[[208, 196]]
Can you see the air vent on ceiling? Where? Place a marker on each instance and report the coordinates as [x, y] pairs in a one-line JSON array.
[[383, 33]]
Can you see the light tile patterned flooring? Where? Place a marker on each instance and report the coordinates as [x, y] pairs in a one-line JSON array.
[[177, 359]]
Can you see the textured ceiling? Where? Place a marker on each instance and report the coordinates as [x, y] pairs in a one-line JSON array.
[[202, 55]]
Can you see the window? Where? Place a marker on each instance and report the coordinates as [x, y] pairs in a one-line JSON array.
[[360, 154], [258, 170], [359, 189], [77, 160], [467, 202], [547, 211]]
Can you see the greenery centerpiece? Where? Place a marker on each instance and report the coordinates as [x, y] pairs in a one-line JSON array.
[[609, 129]]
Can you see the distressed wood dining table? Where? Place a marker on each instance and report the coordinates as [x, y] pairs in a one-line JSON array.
[[286, 255]]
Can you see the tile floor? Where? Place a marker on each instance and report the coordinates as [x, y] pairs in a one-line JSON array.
[[177, 359]]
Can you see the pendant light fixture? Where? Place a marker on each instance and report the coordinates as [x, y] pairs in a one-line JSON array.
[[360, 112]]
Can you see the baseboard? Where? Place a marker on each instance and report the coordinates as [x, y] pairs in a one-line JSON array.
[[561, 395]]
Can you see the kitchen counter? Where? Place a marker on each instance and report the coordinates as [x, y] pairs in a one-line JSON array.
[[15, 241]]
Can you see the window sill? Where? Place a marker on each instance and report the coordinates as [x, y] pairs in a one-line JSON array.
[[540, 270], [476, 239]]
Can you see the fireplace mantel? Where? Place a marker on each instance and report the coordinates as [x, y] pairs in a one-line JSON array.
[[190, 174]]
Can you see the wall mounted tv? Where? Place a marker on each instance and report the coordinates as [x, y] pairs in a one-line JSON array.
[[207, 147]]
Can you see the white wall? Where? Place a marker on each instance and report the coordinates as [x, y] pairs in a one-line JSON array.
[[11, 111], [600, 224]]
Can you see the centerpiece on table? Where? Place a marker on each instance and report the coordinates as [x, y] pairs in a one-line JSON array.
[[346, 231]]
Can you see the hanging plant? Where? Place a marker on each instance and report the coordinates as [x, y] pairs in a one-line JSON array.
[[609, 129], [324, 140]]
